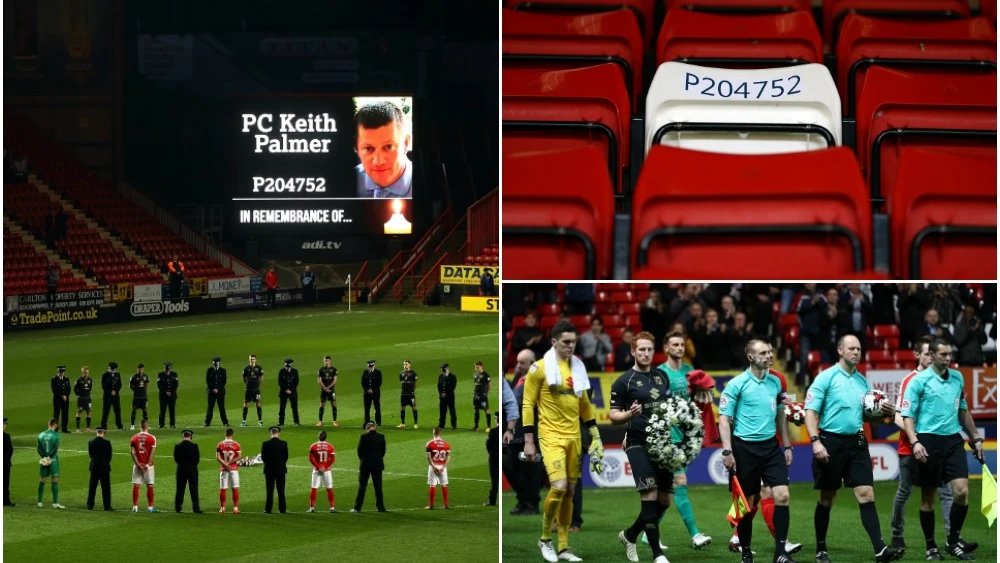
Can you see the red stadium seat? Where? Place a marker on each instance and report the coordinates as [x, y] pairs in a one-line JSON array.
[[642, 10], [615, 334], [947, 46], [898, 109], [988, 9], [943, 215], [613, 321], [580, 320], [879, 356], [739, 41], [721, 211], [629, 309], [547, 309], [885, 330], [558, 215], [545, 110], [834, 12], [551, 42], [740, 6], [625, 296], [812, 361]]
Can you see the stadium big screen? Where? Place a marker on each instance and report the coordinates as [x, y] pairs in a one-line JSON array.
[[300, 165]]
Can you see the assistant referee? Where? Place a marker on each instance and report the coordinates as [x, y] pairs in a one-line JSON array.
[[750, 412], [835, 422]]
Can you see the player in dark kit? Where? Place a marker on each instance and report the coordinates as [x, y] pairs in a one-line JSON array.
[[139, 384], [327, 381], [481, 395], [83, 388], [288, 385], [215, 382], [631, 395], [60, 397], [253, 376], [407, 394], [111, 383], [371, 382], [167, 383], [447, 382]]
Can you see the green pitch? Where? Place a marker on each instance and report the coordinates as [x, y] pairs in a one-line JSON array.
[[390, 334], [608, 511]]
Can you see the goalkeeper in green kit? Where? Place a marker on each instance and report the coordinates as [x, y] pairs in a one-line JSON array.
[[48, 451]]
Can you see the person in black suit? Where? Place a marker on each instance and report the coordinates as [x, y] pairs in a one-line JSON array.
[[371, 382], [447, 382], [215, 380], [100, 469], [274, 453], [187, 455], [493, 447], [371, 451], [8, 452]]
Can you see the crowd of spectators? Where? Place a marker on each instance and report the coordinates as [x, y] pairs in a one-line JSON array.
[[718, 319]]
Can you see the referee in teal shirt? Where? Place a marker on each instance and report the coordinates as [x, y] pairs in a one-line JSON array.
[[751, 410], [932, 400], [835, 422]]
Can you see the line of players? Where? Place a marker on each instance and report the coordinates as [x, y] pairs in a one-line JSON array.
[[229, 455], [167, 382]]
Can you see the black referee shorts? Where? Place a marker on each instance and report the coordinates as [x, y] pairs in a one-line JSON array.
[[646, 474], [850, 464], [946, 460], [759, 461]]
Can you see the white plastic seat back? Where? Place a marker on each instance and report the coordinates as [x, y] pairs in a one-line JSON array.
[[685, 100]]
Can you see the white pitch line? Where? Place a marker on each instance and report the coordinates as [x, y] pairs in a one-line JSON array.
[[212, 459]]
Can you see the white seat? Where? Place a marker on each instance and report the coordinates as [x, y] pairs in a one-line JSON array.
[[702, 108]]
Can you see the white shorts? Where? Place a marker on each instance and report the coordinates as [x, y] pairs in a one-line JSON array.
[[229, 479], [140, 478], [435, 479], [322, 479]]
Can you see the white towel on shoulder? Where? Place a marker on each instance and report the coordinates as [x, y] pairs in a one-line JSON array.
[[553, 375]]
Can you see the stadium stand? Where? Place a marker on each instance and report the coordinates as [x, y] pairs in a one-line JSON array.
[[883, 76]]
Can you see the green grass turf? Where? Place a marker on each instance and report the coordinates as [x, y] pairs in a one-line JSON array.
[[607, 511], [389, 334]]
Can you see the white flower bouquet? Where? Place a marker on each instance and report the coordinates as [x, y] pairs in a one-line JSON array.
[[680, 414]]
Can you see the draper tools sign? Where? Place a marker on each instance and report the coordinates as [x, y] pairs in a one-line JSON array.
[[301, 163]]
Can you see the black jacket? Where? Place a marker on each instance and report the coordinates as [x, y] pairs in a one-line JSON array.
[[493, 442], [8, 449], [372, 380], [83, 387], [111, 382], [100, 455], [216, 379], [371, 450], [186, 455], [274, 452], [167, 381], [60, 386], [447, 383], [288, 378]]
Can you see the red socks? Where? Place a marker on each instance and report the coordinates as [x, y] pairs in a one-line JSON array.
[[135, 495], [444, 493], [312, 498], [236, 498], [767, 508], [222, 497], [329, 495], [149, 495], [432, 496]]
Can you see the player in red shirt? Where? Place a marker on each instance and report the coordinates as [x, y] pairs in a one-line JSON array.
[[767, 497], [438, 456], [228, 453], [321, 456], [143, 446]]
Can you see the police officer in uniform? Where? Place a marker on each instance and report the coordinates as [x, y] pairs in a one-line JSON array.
[[327, 380], [288, 385], [481, 395], [99, 450], [446, 396], [408, 394], [111, 383], [371, 382], [83, 388], [60, 397], [215, 381], [186, 455], [139, 384], [631, 396], [751, 405], [167, 383], [835, 423]]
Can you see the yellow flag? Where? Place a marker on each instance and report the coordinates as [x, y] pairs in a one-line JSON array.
[[989, 496], [738, 509]]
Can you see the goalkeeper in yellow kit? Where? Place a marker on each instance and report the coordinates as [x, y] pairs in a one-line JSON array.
[[556, 385]]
